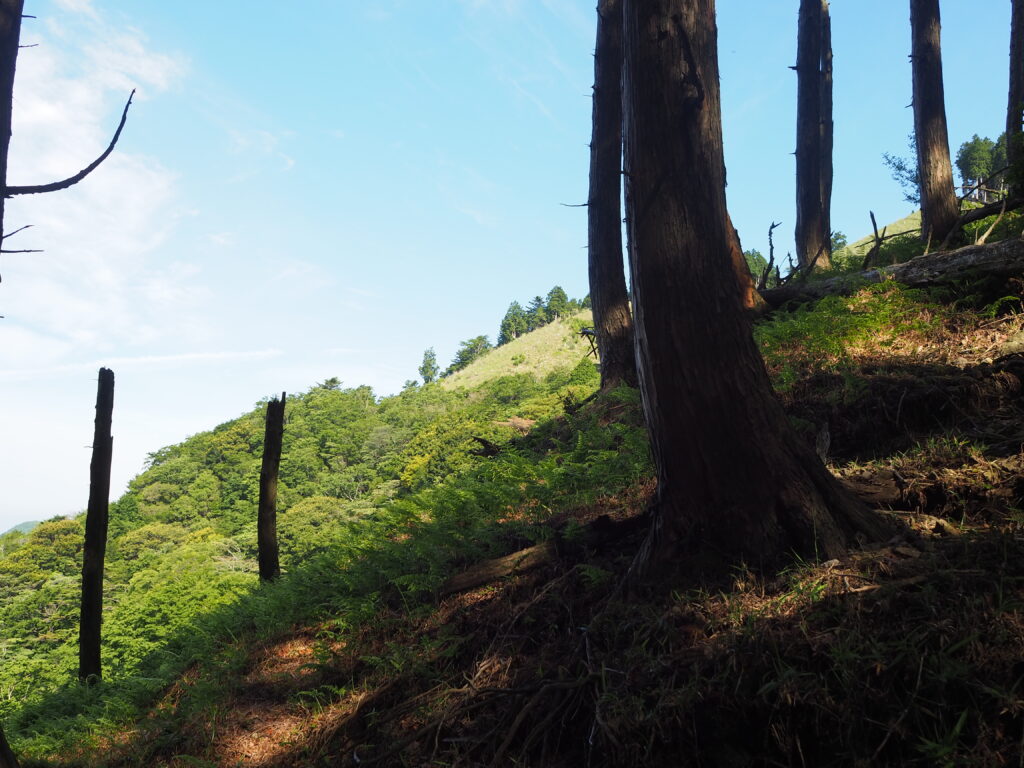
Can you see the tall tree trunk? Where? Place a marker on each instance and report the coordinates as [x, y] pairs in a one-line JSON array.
[[7, 758], [812, 228], [89, 664], [266, 523], [732, 475], [827, 127], [608, 296], [939, 208], [1015, 103], [10, 33]]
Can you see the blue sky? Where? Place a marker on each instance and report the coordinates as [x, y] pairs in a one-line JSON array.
[[327, 188]]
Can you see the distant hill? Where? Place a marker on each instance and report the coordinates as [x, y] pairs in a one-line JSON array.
[[861, 247], [22, 527], [556, 345]]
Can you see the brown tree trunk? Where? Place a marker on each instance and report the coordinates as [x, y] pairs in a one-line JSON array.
[[732, 476], [1015, 102], [266, 523], [750, 298], [1004, 259], [812, 227], [608, 295], [939, 208], [7, 758], [10, 33], [827, 128], [89, 664]]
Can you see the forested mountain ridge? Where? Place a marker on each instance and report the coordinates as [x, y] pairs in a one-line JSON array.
[[441, 598]]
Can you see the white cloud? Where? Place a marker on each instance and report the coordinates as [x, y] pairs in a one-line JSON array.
[[139, 361], [99, 236], [78, 6]]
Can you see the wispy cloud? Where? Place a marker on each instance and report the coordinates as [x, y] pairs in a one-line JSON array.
[[139, 361], [98, 283]]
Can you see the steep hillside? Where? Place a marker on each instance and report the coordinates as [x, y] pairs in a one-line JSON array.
[[455, 559], [539, 353]]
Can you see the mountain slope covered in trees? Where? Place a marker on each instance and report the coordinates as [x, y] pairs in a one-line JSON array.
[[458, 599]]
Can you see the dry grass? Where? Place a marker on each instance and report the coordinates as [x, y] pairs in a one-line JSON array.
[[556, 345]]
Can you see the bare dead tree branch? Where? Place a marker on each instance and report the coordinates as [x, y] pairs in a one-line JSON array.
[[19, 229], [762, 281], [24, 250], [72, 180], [977, 214]]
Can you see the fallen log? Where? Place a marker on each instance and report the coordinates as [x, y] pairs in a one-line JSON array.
[[1002, 259]]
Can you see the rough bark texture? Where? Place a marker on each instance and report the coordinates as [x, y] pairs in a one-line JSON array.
[[812, 227], [1015, 103], [608, 295], [7, 758], [827, 126], [750, 298], [731, 474], [939, 207], [10, 33], [94, 552], [1002, 259], [266, 523]]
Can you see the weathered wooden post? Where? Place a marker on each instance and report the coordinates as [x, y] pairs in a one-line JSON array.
[[7, 758], [266, 522], [89, 667]]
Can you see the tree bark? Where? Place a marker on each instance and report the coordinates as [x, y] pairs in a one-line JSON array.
[[827, 127], [939, 207], [609, 298], [751, 299], [266, 524], [7, 758], [812, 227], [1015, 102], [10, 34], [90, 667], [1002, 259], [732, 476]]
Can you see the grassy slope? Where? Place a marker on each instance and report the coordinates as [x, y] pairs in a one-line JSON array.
[[554, 346], [860, 247], [905, 653]]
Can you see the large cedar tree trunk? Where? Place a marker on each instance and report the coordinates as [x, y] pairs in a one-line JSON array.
[[94, 552], [7, 758], [813, 134], [266, 523], [939, 207], [1015, 103], [731, 473], [10, 32], [608, 296]]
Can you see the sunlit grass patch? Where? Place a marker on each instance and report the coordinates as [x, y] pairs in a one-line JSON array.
[[837, 331]]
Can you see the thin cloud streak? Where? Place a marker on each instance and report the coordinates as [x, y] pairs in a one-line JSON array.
[[141, 361]]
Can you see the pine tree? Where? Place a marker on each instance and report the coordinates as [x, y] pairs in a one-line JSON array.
[[536, 314], [513, 325], [557, 303]]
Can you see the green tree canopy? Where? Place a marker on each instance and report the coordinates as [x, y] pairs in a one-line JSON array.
[[469, 351], [429, 368], [536, 314], [557, 303], [974, 160], [514, 324]]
